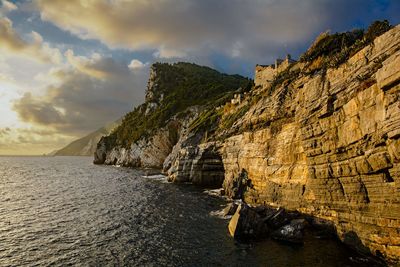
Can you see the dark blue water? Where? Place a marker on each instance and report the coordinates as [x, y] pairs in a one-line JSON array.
[[58, 211]]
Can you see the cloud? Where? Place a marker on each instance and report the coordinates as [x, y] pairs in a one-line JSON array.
[[176, 28], [31, 140], [36, 111], [93, 92], [168, 53], [252, 30], [96, 66], [7, 6], [137, 65], [6, 78], [4, 131], [11, 41]]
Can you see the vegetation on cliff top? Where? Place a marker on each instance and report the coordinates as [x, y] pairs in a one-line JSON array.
[[327, 51], [181, 85], [331, 50]]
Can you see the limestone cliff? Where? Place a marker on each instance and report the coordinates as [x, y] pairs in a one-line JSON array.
[[320, 136], [175, 96], [328, 145]]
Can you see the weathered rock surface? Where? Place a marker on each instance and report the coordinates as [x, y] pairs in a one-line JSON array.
[[146, 152], [258, 222], [200, 164], [156, 133], [328, 145], [230, 209]]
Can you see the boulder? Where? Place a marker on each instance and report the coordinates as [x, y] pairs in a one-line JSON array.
[[292, 233], [230, 209], [246, 223], [280, 218]]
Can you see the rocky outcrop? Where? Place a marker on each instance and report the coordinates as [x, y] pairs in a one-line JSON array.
[[246, 223], [328, 145], [157, 132], [320, 141], [200, 164], [148, 152], [292, 232], [261, 221]]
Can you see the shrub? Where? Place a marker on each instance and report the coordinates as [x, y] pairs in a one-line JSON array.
[[332, 50], [328, 45], [376, 29]]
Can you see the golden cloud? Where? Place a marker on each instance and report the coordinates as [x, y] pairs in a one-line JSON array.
[[11, 41]]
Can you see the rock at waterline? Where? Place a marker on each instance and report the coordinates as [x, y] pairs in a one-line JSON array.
[[230, 209], [246, 223], [292, 232], [257, 222]]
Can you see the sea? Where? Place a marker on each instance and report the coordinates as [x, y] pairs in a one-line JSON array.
[[66, 211]]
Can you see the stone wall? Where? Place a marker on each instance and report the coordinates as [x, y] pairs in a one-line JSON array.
[[263, 75], [329, 145]]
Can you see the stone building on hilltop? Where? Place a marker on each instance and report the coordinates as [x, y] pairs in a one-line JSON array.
[[264, 74]]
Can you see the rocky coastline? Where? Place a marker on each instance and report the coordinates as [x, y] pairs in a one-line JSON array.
[[313, 148]]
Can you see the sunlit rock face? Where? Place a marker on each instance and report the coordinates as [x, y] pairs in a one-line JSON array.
[[328, 145], [324, 143], [147, 152], [200, 164]]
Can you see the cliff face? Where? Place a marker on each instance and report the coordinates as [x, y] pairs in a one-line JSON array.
[[329, 145], [324, 141], [199, 164], [153, 132]]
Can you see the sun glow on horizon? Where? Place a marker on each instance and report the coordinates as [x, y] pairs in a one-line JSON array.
[[63, 76]]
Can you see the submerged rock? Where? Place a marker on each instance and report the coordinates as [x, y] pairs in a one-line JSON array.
[[281, 217]]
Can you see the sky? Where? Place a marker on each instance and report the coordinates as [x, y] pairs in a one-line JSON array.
[[68, 68]]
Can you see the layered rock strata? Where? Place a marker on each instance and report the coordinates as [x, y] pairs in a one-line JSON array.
[[325, 144], [200, 164], [328, 145]]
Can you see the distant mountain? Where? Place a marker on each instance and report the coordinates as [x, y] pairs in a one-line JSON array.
[[52, 153], [86, 146]]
